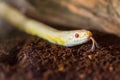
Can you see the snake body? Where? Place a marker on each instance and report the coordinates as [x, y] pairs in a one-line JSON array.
[[64, 38]]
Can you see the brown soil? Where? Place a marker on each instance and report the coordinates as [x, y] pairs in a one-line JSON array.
[[25, 57]]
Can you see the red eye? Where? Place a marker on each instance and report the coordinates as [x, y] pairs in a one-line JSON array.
[[76, 35]]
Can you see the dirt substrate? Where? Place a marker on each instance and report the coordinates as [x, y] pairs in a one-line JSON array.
[[25, 57]]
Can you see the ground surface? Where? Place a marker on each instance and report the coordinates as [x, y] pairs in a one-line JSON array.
[[25, 57]]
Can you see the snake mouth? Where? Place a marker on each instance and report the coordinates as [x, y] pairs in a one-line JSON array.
[[94, 44]]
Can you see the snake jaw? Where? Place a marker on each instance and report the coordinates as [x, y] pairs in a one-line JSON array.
[[94, 44]]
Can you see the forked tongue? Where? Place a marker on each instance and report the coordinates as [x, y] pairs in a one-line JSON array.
[[94, 44]]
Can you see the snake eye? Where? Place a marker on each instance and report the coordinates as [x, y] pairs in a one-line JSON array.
[[76, 35]]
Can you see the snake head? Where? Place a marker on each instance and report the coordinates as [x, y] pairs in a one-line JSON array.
[[77, 37]]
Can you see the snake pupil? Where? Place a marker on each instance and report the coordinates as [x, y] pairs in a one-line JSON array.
[[76, 35]]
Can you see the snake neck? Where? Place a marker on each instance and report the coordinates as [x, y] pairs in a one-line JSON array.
[[30, 26]]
